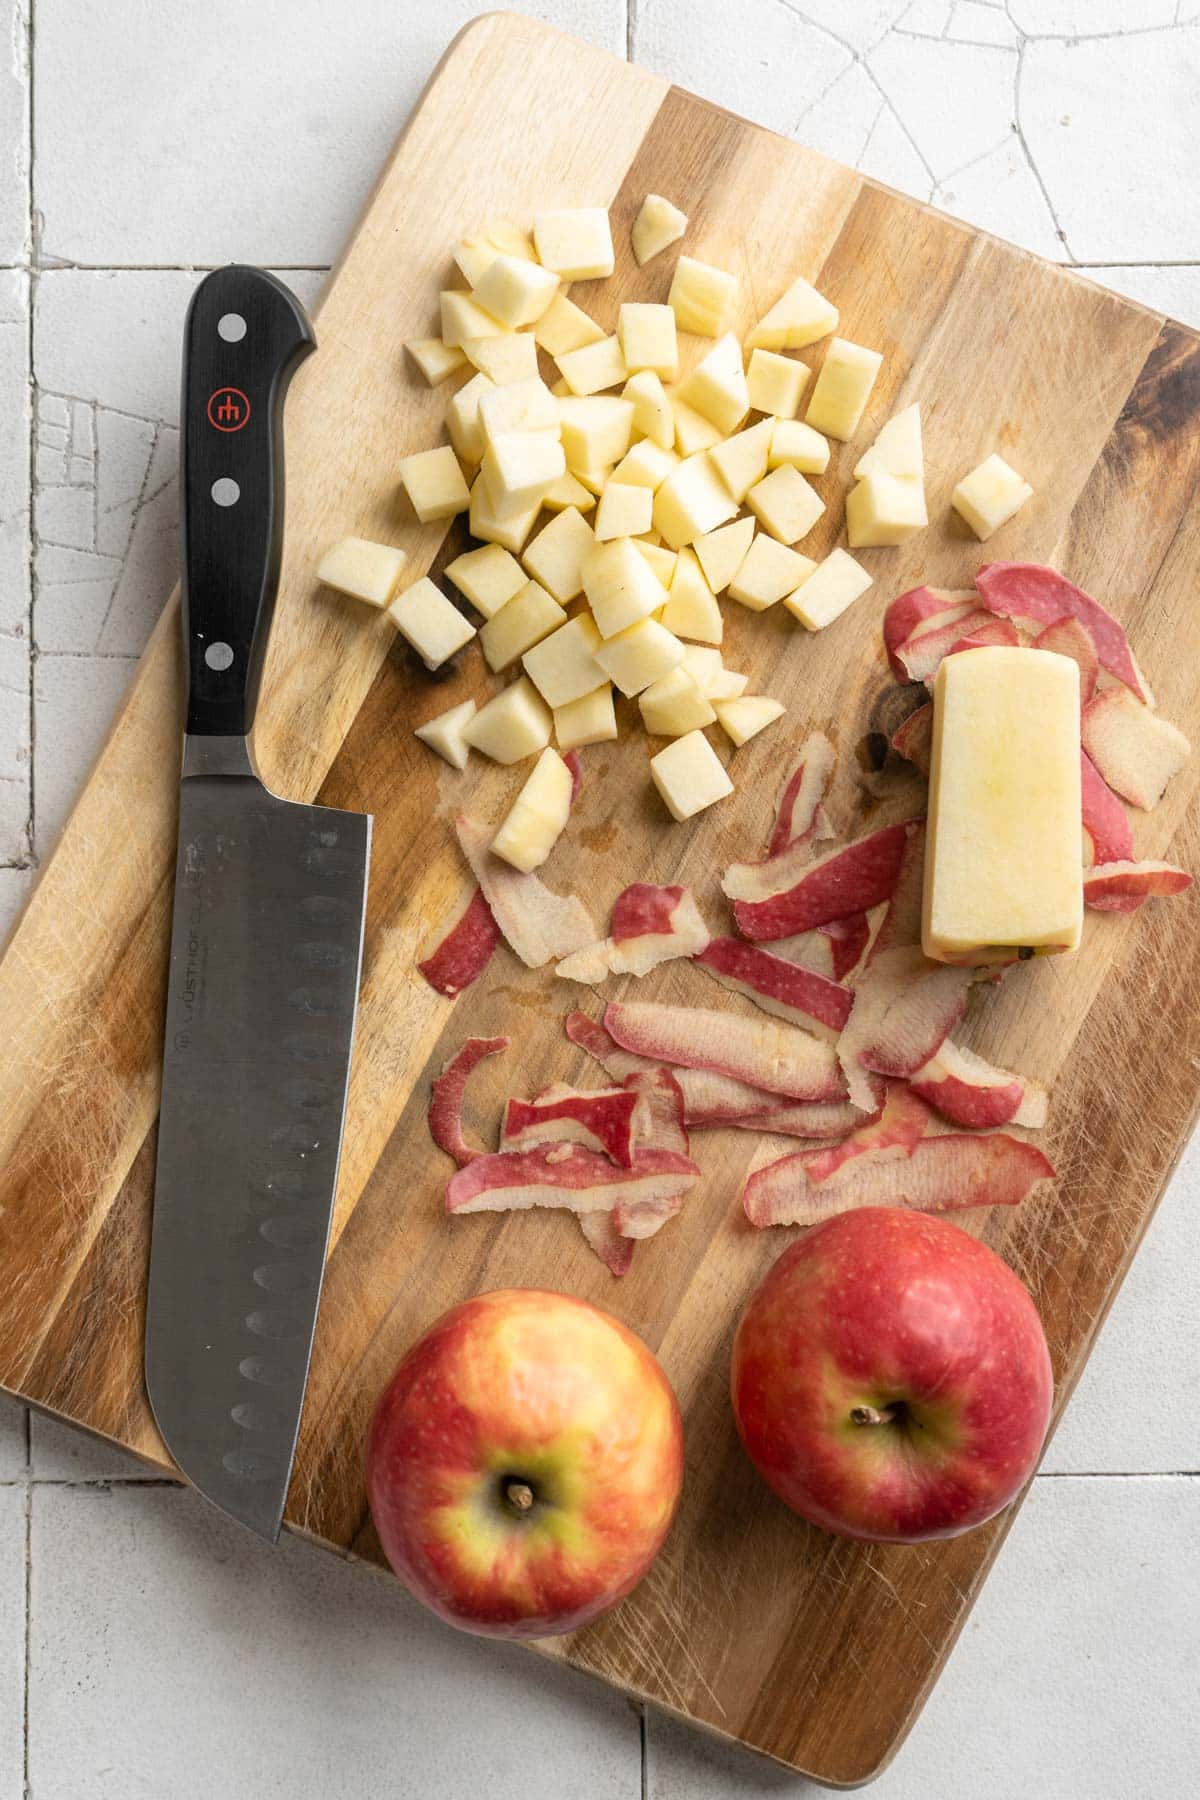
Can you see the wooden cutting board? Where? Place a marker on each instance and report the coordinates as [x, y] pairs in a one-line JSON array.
[[816, 1651]]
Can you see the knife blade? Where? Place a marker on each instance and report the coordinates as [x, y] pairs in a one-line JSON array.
[[266, 949]]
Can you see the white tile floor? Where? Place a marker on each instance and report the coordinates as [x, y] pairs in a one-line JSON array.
[[145, 1648]]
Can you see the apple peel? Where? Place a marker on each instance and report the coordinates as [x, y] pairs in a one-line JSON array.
[[922, 609], [660, 1116], [1032, 591], [465, 951], [599, 1118], [1120, 886], [921, 655], [614, 1251], [1104, 818], [446, 1097], [786, 989], [947, 1173], [568, 1176], [799, 812], [536, 924], [1135, 751], [793, 892], [904, 1010], [968, 1091], [1069, 636], [914, 739], [650, 925], [780, 1058]]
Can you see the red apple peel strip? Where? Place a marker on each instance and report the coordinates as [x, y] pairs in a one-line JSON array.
[[921, 608], [1110, 887], [792, 893], [600, 1118], [780, 1058], [914, 739], [650, 925], [786, 989], [799, 808], [465, 951], [446, 1097], [535, 923], [614, 1251], [920, 655], [1069, 636], [1032, 591], [971, 1092], [941, 1174], [566, 1175]]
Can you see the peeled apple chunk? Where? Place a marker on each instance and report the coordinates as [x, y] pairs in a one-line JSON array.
[[689, 775], [575, 242], [515, 290], [741, 460], [824, 595], [462, 418], [514, 723], [721, 553], [555, 557], [691, 610], [639, 655], [716, 387], [989, 496], [776, 383], [1002, 868], [799, 317], [591, 719], [537, 815], [794, 442], [594, 368], [510, 356], [624, 512], [653, 416], [434, 483], [883, 509], [518, 468], [842, 389], [529, 616], [563, 666], [596, 429], [785, 505], [897, 450], [364, 570], [427, 620], [445, 734], [702, 297], [434, 359], [509, 530], [620, 585], [744, 718], [693, 500], [646, 465], [768, 572], [565, 326], [463, 321], [693, 432], [673, 705], [518, 406], [648, 338], [487, 577], [657, 226]]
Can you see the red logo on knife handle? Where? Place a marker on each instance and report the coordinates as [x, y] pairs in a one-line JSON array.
[[228, 409]]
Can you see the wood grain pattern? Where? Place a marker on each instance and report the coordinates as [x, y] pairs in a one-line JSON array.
[[815, 1651]]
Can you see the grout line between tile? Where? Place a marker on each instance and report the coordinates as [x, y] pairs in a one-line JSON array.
[[31, 301]]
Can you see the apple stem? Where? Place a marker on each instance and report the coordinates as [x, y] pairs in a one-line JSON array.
[[519, 1495], [872, 1415]]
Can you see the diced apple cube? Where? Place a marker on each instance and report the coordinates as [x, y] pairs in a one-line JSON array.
[[595, 429], [662, 561], [652, 414], [435, 629], [564, 326], [770, 571], [462, 418], [575, 242], [510, 357], [594, 368], [514, 723], [488, 578], [648, 339], [434, 359], [362, 569], [563, 667], [591, 719], [785, 505], [798, 446], [658, 225], [716, 387], [798, 317], [568, 490], [594, 480], [833, 586], [692, 500], [434, 483], [515, 291], [884, 509], [776, 383], [741, 461], [474, 254], [620, 585], [723, 551], [674, 704], [727, 684], [639, 655], [646, 465], [691, 610], [555, 556], [445, 734], [689, 775], [702, 297], [745, 717], [529, 616], [509, 530], [519, 467], [464, 319], [989, 496], [623, 512], [693, 432], [537, 815], [519, 406], [843, 388], [898, 449]]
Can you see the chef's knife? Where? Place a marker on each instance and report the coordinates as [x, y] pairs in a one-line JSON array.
[[266, 946]]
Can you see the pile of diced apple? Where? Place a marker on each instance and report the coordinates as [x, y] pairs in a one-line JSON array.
[[696, 487]]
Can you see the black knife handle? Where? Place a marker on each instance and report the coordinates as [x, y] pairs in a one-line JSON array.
[[245, 335]]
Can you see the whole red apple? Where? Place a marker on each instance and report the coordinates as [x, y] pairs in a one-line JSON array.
[[891, 1379], [524, 1464]]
